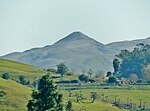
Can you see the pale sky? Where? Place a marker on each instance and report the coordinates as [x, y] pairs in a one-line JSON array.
[[26, 24]]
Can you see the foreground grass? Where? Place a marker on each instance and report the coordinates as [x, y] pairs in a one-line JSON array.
[[16, 97]]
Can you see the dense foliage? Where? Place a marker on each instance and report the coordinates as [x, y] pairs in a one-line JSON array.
[[47, 97], [93, 96], [83, 77], [69, 106], [133, 62], [116, 65], [5, 75], [2, 93], [22, 80], [62, 69]]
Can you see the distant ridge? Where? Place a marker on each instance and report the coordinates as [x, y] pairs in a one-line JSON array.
[[78, 51]]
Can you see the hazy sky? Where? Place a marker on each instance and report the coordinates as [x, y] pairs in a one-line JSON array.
[[25, 24]]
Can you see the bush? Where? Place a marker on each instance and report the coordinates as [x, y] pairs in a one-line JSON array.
[[112, 80], [83, 78], [2, 93], [91, 80], [148, 81], [23, 81], [5, 76], [69, 106], [139, 81]]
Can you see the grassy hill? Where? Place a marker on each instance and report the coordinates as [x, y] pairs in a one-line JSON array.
[[16, 96], [15, 69]]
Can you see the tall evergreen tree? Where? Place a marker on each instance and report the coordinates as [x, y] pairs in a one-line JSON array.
[[46, 97], [116, 64]]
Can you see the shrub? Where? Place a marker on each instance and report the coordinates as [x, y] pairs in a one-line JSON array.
[[5, 76], [91, 80], [23, 81], [139, 81], [93, 96], [112, 80], [148, 81], [2, 93], [69, 106], [83, 78]]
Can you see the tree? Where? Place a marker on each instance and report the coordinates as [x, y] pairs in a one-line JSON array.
[[22, 79], [99, 74], [133, 62], [109, 74], [5, 75], [93, 96], [90, 72], [116, 65], [78, 97], [46, 97], [69, 106], [62, 69], [83, 77], [146, 72]]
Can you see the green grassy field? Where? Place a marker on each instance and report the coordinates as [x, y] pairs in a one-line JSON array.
[[16, 97], [15, 69], [121, 94]]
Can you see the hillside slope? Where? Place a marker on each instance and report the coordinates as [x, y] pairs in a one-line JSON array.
[[16, 98], [15, 69], [78, 51]]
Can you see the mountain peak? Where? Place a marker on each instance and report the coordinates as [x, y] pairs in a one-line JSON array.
[[76, 35]]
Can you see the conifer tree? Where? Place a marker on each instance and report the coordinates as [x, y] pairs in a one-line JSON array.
[[46, 97]]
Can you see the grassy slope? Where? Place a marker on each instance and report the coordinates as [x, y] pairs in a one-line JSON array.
[[16, 98], [15, 69]]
